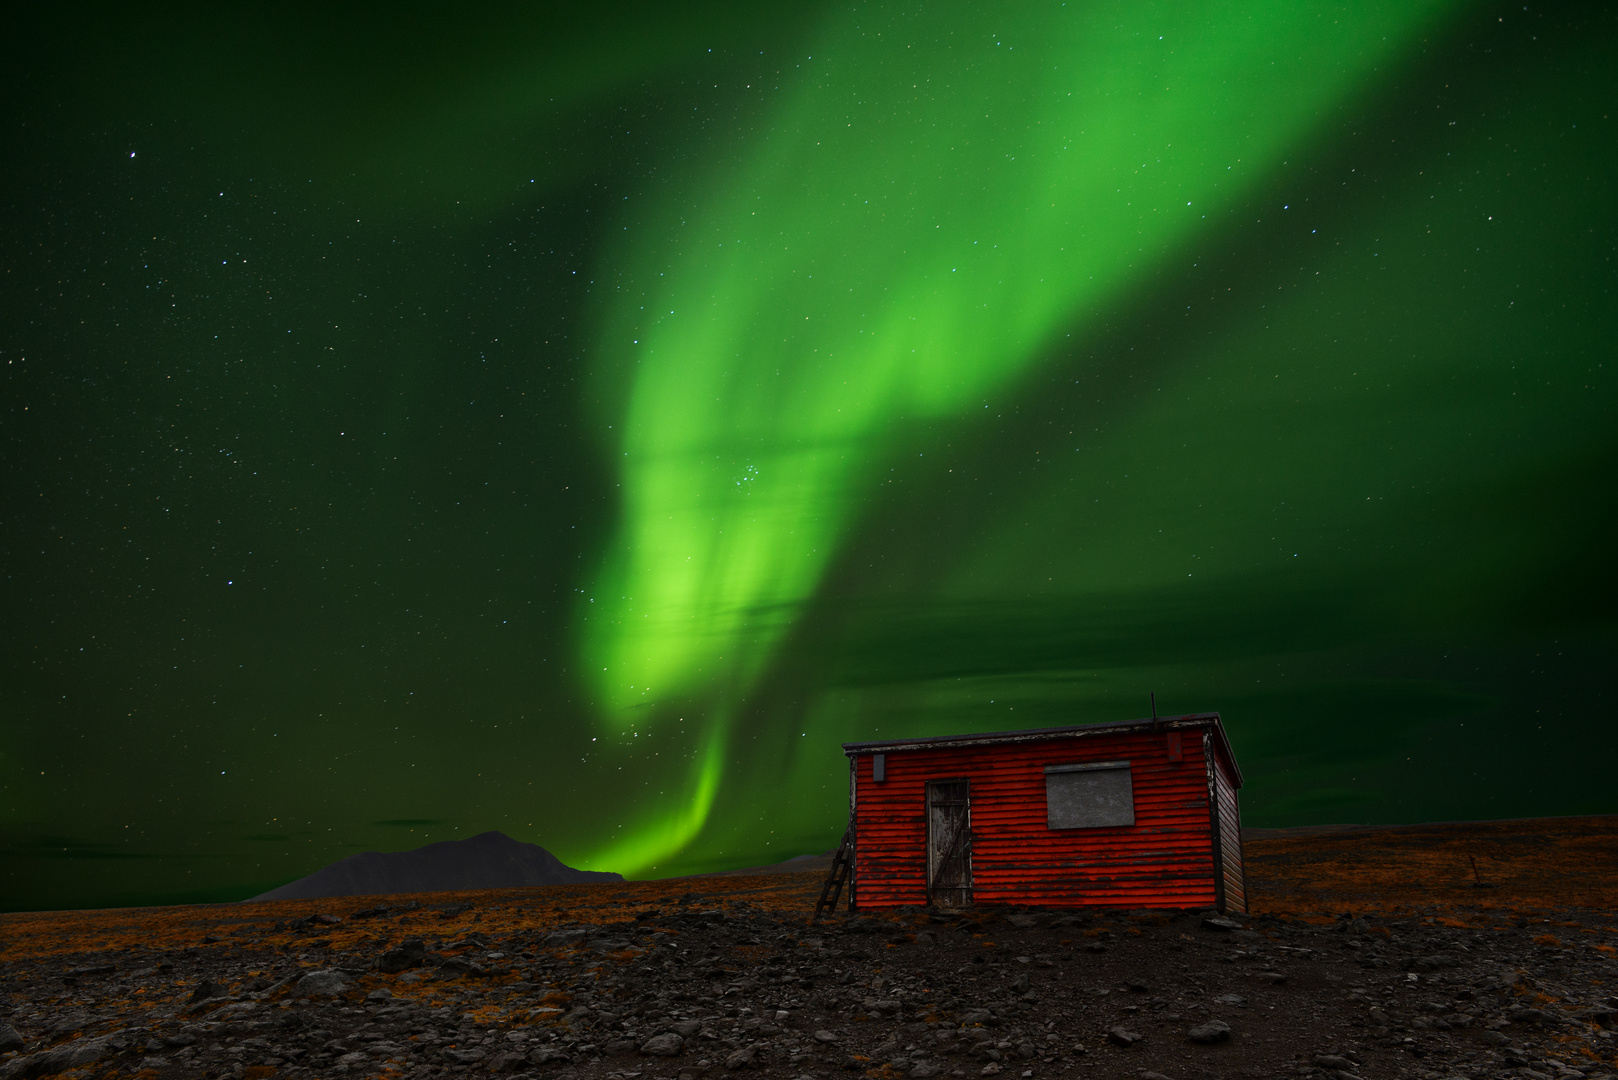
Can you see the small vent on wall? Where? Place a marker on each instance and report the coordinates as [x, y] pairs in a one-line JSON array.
[[879, 767]]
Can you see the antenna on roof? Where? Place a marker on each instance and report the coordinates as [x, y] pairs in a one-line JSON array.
[[1154, 706]]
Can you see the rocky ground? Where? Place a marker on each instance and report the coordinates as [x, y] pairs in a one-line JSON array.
[[720, 984]]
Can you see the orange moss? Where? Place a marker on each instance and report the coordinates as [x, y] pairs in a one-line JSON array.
[[1528, 868]]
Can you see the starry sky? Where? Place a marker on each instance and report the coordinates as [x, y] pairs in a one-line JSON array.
[[577, 422]]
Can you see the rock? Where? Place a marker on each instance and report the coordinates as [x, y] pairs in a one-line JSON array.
[[1432, 963], [355, 1060], [824, 1036], [1531, 1016], [1019, 985], [9, 1039], [1219, 922], [328, 983], [668, 1044], [741, 1059], [1214, 1031], [1121, 1036], [923, 1070], [1333, 1061], [409, 954], [686, 1029], [1274, 978], [1145, 1075], [205, 990], [456, 1056], [73, 1055], [506, 1061], [91, 970], [976, 1016], [615, 1047], [381, 993], [1231, 999], [1493, 1038], [547, 1055], [991, 1069]]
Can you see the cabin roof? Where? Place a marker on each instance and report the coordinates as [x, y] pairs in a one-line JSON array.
[[1189, 721]]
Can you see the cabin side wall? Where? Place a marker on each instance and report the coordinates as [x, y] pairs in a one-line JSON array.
[[1234, 893], [1165, 859]]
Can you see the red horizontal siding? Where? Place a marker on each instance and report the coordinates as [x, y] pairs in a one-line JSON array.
[[1164, 860], [1230, 839]]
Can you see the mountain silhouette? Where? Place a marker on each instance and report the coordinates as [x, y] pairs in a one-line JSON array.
[[490, 860]]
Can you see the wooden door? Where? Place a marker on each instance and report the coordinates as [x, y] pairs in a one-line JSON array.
[[949, 843]]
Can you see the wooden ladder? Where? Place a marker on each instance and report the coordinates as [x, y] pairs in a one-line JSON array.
[[841, 863]]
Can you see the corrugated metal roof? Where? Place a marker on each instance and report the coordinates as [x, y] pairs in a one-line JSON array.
[[1194, 721]]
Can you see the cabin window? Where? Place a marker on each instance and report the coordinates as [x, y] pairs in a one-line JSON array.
[[879, 767], [1089, 796]]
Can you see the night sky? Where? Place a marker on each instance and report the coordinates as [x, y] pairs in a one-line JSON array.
[[577, 423]]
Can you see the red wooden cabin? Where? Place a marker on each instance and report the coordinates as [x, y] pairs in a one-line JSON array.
[[1139, 814]]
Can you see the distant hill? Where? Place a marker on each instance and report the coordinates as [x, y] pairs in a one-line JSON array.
[[490, 860]]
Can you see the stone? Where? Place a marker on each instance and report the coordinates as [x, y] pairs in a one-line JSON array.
[[9, 1039], [824, 1036], [1493, 1038], [205, 990], [73, 1055], [1219, 922], [923, 1070], [1231, 999], [615, 1047], [328, 983], [1122, 1036], [355, 1060], [410, 953], [457, 1056], [1214, 1031], [668, 1044], [741, 1059]]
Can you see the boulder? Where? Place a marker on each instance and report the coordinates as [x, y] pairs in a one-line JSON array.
[[668, 1044], [328, 983], [409, 954], [1214, 1031]]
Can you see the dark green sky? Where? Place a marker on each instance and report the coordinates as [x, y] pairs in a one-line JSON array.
[[578, 423]]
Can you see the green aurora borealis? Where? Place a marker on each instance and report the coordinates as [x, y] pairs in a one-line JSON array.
[[579, 424]]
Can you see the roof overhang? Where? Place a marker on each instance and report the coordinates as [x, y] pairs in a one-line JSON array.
[[1191, 721]]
